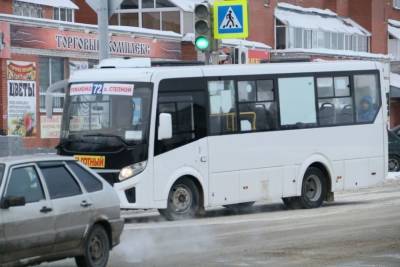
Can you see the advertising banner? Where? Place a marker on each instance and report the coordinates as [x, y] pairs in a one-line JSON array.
[[50, 128], [75, 41], [257, 56], [21, 95]]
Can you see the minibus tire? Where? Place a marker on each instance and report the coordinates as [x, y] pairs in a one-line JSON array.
[[188, 189], [394, 160], [96, 237], [313, 189]]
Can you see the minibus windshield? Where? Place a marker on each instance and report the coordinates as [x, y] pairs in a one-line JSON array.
[[116, 110]]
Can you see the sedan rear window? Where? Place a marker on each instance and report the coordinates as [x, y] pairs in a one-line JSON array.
[[91, 183], [60, 182]]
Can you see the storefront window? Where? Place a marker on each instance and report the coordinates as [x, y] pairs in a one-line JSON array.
[[129, 19], [151, 20], [171, 21], [51, 70]]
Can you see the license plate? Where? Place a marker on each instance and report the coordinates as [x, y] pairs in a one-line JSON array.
[[92, 161]]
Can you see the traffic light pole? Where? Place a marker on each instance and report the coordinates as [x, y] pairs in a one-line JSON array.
[[102, 16]]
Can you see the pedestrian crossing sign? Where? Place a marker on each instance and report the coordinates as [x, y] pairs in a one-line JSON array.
[[230, 19]]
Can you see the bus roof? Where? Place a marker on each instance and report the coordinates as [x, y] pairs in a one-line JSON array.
[[146, 74]]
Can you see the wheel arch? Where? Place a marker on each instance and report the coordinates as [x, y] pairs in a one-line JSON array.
[[193, 175], [318, 161]]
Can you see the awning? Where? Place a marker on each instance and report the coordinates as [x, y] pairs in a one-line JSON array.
[[317, 19], [53, 3], [394, 28]]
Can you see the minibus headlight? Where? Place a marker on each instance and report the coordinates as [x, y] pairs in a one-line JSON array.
[[132, 170]]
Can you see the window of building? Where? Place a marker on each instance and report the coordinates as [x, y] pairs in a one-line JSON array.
[[51, 70], [297, 102], [151, 20], [27, 9], [335, 104], [63, 14], [152, 14], [396, 4], [60, 182], [171, 21], [222, 107], [25, 182], [129, 19], [130, 4], [295, 37], [366, 97]]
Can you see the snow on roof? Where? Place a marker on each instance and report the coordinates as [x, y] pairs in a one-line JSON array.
[[394, 28], [331, 52], [188, 5], [189, 37], [91, 27], [394, 79], [246, 43], [53, 3], [317, 19]]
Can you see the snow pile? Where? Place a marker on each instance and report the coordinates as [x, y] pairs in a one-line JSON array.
[[53, 3], [188, 5], [393, 176], [317, 19]]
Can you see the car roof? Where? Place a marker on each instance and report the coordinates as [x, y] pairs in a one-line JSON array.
[[32, 158]]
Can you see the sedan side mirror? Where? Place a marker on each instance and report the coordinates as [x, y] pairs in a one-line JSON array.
[[8, 202], [164, 126]]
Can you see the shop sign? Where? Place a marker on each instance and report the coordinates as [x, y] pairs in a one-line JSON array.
[[50, 127], [21, 95], [74, 41], [4, 40], [257, 56]]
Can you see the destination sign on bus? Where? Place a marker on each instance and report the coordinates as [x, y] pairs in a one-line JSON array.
[[102, 89]]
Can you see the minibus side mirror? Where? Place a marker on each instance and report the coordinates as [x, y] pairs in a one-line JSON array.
[[8, 202], [164, 126]]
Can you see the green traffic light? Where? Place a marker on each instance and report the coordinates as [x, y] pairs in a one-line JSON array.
[[202, 43]]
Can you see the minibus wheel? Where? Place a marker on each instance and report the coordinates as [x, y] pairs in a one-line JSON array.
[[183, 201], [314, 189], [394, 163]]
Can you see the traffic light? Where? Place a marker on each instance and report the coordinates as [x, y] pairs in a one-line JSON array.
[[204, 40]]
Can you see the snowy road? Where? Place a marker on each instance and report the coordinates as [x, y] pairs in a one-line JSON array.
[[359, 229]]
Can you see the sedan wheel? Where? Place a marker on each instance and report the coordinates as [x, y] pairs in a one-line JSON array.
[[97, 249]]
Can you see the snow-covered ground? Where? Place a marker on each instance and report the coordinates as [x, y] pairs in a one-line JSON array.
[[394, 176]]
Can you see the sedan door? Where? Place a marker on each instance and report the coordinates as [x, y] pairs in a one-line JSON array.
[[72, 207], [29, 230]]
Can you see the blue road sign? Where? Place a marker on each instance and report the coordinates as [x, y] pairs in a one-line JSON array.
[[230, 19]]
